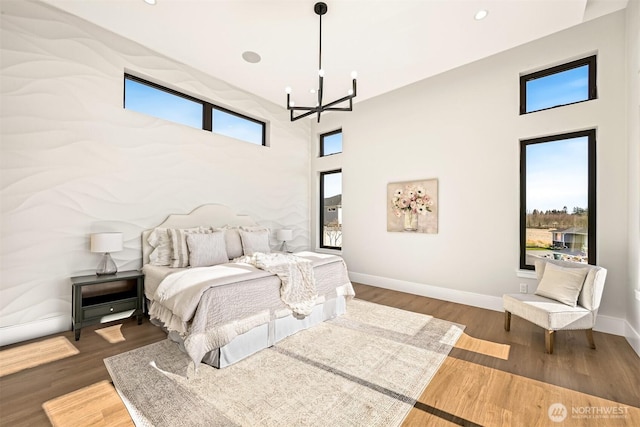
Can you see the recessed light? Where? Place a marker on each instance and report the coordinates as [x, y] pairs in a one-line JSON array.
[[251, 57], [151, 2], [481, 14]]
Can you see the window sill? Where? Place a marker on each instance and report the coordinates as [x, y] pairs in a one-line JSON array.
[[329, 251], [526, 274]]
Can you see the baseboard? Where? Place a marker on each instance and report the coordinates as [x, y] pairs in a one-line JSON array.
[[633, 337], [39, 328], [452, 295], [607, 324]]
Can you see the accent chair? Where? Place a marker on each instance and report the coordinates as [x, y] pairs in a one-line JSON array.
[[567, 298]]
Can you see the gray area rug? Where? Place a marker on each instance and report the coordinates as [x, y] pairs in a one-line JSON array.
[[365, 368]]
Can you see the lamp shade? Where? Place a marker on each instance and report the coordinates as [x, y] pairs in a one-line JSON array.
[[106, 242], [284, 234]]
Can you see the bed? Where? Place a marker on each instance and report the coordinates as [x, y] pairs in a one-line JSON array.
[[218, 289]]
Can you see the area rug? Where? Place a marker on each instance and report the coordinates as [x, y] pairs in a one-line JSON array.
[[365, 368]]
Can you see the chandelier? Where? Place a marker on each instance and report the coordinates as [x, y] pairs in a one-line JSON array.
[[320, 9]]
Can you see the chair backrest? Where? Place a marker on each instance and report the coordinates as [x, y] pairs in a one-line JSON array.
[[591, 292]]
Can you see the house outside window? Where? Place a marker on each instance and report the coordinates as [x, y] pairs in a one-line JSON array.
[[558, 198]]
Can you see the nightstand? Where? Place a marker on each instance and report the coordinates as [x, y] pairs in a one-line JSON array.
[[101, 299]]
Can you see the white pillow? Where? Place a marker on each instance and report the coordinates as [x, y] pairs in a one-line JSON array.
[[161, 244], [207, 249], [255, 241], [179, 248], [562, 284]]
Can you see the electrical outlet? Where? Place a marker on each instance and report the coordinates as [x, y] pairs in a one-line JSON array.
[[523, 288]]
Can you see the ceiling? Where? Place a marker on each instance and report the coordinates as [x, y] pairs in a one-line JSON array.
[[391, 43]]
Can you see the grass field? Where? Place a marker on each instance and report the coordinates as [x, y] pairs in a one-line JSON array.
[[538, 237]]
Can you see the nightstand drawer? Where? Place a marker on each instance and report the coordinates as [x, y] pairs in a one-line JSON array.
[[110, 308]]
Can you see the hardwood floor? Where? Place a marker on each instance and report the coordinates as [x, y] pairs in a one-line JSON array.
[[492, 377]]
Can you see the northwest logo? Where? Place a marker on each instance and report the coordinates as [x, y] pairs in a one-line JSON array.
[[557, 412]]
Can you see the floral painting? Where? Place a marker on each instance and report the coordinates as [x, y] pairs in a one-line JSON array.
[[412, 206]]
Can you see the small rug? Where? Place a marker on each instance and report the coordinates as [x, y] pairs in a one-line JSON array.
[[38, 353], [365, 368]]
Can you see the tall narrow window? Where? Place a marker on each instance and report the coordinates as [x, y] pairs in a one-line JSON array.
[[558, 198], [562, 85], [331, 143], [331, 209]]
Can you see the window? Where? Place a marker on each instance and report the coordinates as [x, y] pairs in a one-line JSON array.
[[158, 101], [331, 209], [562, 85], [558, 198], [331, 143]]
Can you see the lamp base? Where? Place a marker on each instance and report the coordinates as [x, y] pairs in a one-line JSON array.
[[106, 265], [284, 247]]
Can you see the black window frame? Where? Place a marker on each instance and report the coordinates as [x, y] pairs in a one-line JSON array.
[[591, 61], [591, 192], [207, 107], [323, 136], [322, 208]]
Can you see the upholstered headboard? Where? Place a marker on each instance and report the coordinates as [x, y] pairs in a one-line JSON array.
[[212, 215]]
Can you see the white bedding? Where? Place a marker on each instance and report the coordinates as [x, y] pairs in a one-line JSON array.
[[210, 306]]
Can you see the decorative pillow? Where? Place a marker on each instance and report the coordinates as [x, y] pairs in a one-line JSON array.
[[562, 284], [207, 249], [254, 228], [255, 241], [179, 248], [233, 241], [160, 241]]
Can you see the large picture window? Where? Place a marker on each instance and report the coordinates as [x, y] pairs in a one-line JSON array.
[[558, 198], [561, 85], [158, 101], [331, 209]]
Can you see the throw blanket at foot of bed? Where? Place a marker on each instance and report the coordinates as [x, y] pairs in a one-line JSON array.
[[298, 289]]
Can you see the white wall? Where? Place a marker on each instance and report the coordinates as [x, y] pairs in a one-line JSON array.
[[463, 128], [73, 161], [633, 106]]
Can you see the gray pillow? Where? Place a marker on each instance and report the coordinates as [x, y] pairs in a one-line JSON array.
[[207, 249], [234, 243], [255, 241], [179, 248]]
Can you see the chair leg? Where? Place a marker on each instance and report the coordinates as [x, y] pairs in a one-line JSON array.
[[507, 321], [548, 341], [592, 343]]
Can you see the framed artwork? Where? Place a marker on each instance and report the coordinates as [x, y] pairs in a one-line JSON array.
[[412, 206]]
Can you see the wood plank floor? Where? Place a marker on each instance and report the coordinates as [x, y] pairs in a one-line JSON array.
[[492, 378]]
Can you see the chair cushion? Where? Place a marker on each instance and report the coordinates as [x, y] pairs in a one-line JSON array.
[[562, 283], [548, 313]]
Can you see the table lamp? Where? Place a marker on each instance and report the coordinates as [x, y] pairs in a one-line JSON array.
[[106, 243], [284, 235]]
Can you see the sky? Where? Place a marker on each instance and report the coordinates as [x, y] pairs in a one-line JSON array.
[[557, 174], [146, 99]]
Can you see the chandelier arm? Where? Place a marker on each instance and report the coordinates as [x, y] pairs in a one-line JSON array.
[[320, 9], [337, 101]]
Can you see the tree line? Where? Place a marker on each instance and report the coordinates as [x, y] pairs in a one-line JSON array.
[[558, 218]]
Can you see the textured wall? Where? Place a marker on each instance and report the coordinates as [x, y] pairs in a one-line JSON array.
[[73, 161]]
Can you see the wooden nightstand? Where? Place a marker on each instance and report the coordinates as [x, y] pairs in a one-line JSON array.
[[101, 299]]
